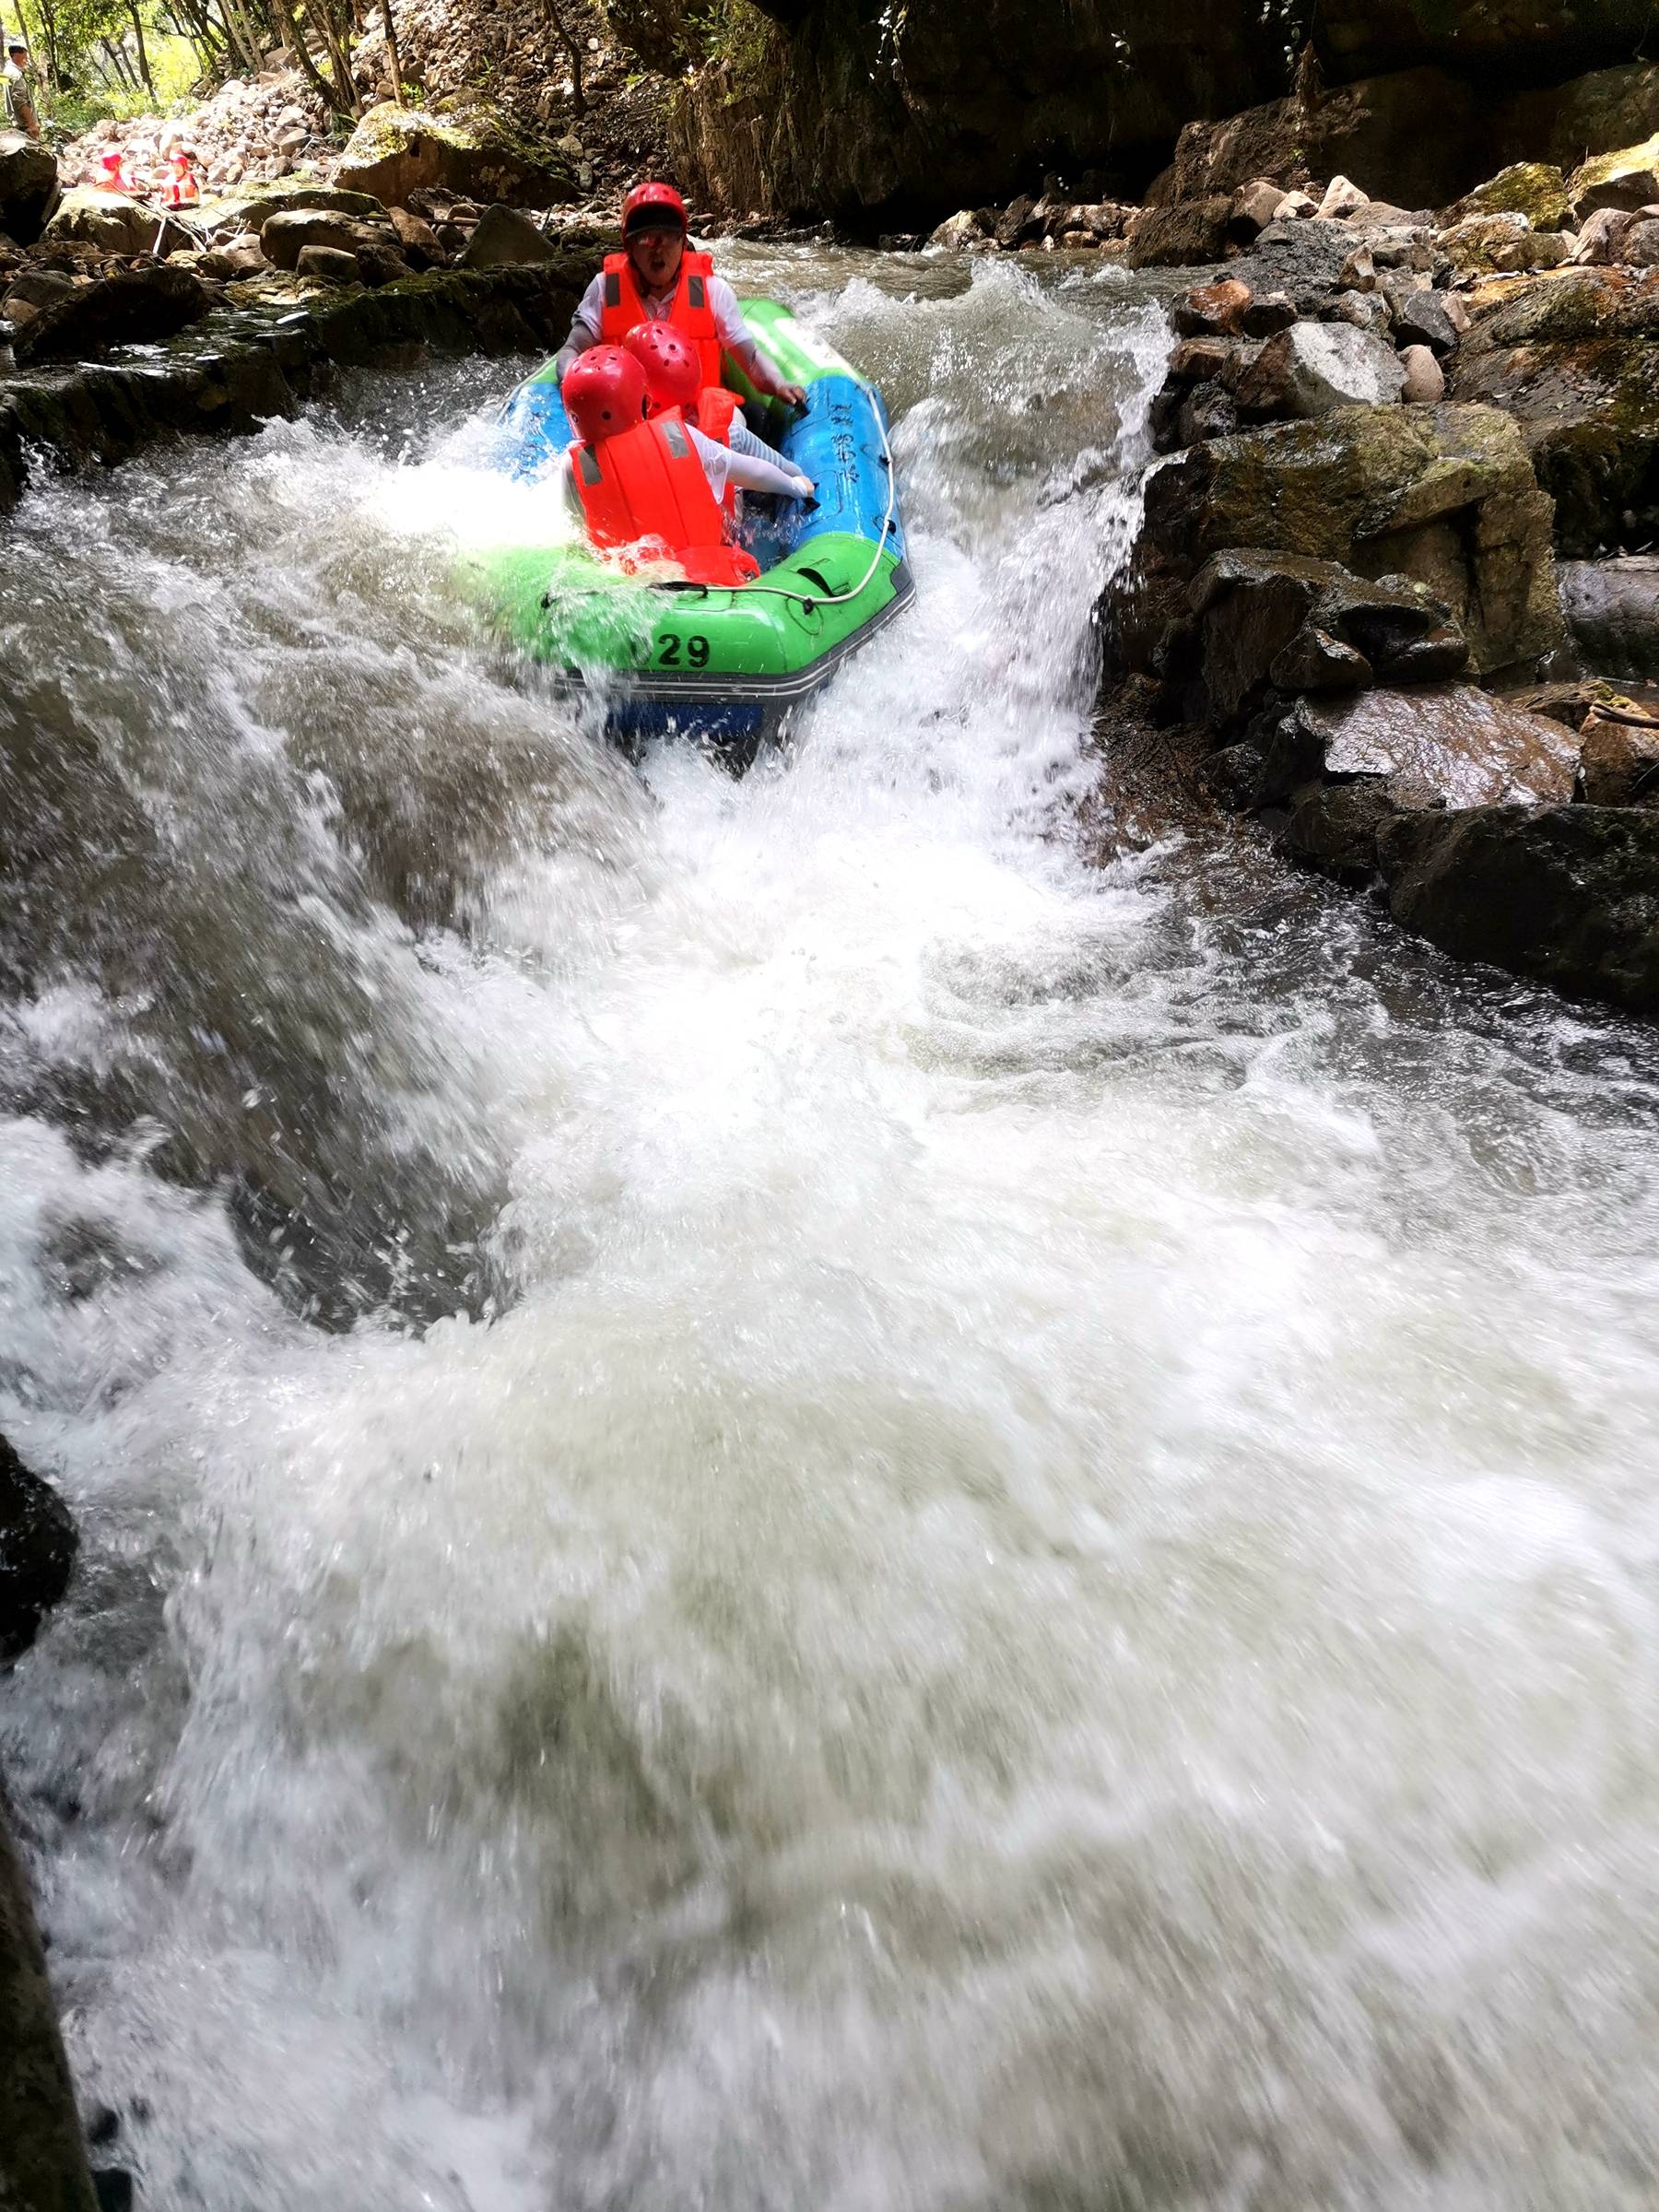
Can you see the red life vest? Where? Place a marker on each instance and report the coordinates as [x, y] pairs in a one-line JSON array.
[[648, 483], [622, 304]]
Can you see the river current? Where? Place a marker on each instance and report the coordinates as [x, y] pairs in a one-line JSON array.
[[791, 1502]]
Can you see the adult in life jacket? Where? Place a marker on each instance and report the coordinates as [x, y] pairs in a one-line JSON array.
[[659, 277], [655, 480]]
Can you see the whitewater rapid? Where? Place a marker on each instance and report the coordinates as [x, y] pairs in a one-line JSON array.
[[791, 1500]]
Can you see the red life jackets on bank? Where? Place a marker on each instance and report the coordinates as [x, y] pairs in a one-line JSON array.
[[649, 483], [622, 304]]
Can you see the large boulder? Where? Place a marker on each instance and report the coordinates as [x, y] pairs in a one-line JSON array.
[[134, 307], [1612, 609], [1535, 188], [1619, 759], [1190, 233], [1573, 358], [1627, 179], [108, 220], [1444, 496], [474, 152], [29, 187], [37, 1544], [1304, 260], [505, 237], [1452, 745], [1260, 622], [250, 210], [286, 235], [1487, 244], [1568, 895]]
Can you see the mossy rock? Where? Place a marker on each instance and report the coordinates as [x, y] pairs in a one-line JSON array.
[[474, 152], [109, 219], [1534, 189], [1622, 180]]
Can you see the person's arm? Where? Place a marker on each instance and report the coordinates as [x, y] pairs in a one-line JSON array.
[[725, 465], [739, 341], [584, 327]]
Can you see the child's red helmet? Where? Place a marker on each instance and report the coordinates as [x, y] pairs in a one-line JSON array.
[[604, 393], [673, 369]]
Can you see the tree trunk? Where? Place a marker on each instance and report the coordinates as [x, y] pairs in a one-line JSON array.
[[572, 46], [144, 67], [392, 55], [328, 93]]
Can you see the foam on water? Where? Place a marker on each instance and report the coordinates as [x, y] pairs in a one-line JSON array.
[[1034, 1587]]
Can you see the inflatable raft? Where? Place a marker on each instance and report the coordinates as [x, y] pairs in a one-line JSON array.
[[718, 663]]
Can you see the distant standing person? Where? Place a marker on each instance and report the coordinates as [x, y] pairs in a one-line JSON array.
[[17, 105], [658, 278]]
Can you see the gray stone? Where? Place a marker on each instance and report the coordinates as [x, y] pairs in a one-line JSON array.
[[1566, 895], [506, 239], [1342, 199], [1612, 609], [1315, 368], [1421, 320], [89, 218], [1334, 826], [1254, 206], [1304, 259], [1267, 314], [34, 289]]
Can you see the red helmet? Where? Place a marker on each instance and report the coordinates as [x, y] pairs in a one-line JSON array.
[[652, 207], [603, 391], [673, 371]]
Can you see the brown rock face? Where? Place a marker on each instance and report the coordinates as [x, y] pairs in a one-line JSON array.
[[134, 307], [504, 237], [1458, 746], [1568, 895], [1619, 762], [1444, 495]]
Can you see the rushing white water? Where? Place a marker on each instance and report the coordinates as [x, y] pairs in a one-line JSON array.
[[1018, 1572]]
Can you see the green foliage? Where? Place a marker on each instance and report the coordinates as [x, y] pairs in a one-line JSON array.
[[175, 67], [735, 34]]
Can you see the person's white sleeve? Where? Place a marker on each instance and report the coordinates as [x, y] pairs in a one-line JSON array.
[[585, 325], [749, 472]]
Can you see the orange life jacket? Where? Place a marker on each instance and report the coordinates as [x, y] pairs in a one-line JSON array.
[[622, 304], [648, 483]]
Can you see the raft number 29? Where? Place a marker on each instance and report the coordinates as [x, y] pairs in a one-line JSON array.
[[668, 652]]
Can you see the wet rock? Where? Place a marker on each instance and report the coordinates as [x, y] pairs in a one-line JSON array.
[[1191, 233], [1334, 826], [42, 2161], [37, 1543], [1566, 895], [136, 307], [1618, 760], [1612, 609], [1573, 358], [1425, 378], [108, 220], [1421, 319], [112, 2186], [962, 232], [1459, 745], [395, 151], [1314, 368], [503, 238], [29, 187], [1535, 188], [1444, 496], [329, 265], [1627, 179], [1213, 309], [1259, 621]]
